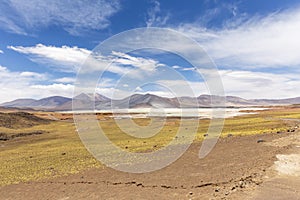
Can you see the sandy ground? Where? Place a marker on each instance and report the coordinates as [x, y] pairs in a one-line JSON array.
[[237, 168], [284, 181]]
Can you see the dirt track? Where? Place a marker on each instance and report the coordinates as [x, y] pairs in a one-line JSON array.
[[235, 169]]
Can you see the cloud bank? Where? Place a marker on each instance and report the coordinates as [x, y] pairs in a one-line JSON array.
[[270, 41], [76, 17]]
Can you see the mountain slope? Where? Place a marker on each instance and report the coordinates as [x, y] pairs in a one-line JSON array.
[[45, 103], [86, 101], [145, 100], [19, 103]]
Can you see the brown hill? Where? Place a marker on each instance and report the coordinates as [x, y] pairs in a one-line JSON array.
[[20, 120]]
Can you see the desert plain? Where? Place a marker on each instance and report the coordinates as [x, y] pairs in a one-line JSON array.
[[256, 157]]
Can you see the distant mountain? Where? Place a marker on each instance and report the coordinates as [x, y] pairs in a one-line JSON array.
[[100, 102], [84, 101], [295, 100], [145, 100], [45, 103], [19, 103]]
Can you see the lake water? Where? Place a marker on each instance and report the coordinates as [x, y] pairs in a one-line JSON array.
[[175, 112]]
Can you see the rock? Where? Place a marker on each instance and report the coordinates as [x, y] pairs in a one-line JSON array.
[[241, 184], [260, 141], [229, 135], [205, 135]]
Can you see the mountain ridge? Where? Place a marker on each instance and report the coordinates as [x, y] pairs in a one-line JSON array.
[[98, 101]]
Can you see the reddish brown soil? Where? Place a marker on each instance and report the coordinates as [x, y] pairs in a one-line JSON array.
[[236, 166]]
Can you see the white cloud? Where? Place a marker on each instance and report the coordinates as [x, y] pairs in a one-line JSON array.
[[176, 67], [65, 80], [187, 88], [74, 16], [54, 89], [188, 69], [245, 84], [155, 18], [138, 89], [144, 64], [33, 75], [10, 26], [69, 59], [261, 41], [253, 85], [16, 85], [1, 51]]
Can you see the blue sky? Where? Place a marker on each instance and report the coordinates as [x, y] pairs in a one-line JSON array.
[[255, 44]]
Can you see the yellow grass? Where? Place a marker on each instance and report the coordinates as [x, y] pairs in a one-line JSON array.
[[56, 153]]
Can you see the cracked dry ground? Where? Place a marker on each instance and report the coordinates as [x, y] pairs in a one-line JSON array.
[[237, 165]]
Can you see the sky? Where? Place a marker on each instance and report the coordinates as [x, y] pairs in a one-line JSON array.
[[255, 46]]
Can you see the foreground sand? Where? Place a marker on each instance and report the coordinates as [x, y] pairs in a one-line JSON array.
[[237, 168]]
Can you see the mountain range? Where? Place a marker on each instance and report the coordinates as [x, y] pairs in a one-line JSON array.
[[59, 103]]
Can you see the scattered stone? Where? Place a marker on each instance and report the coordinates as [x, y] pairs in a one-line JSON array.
[[217, 189], [260, 141], [63, 153], [205, 135], [241, 184], [229, 135], [190, 193]]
